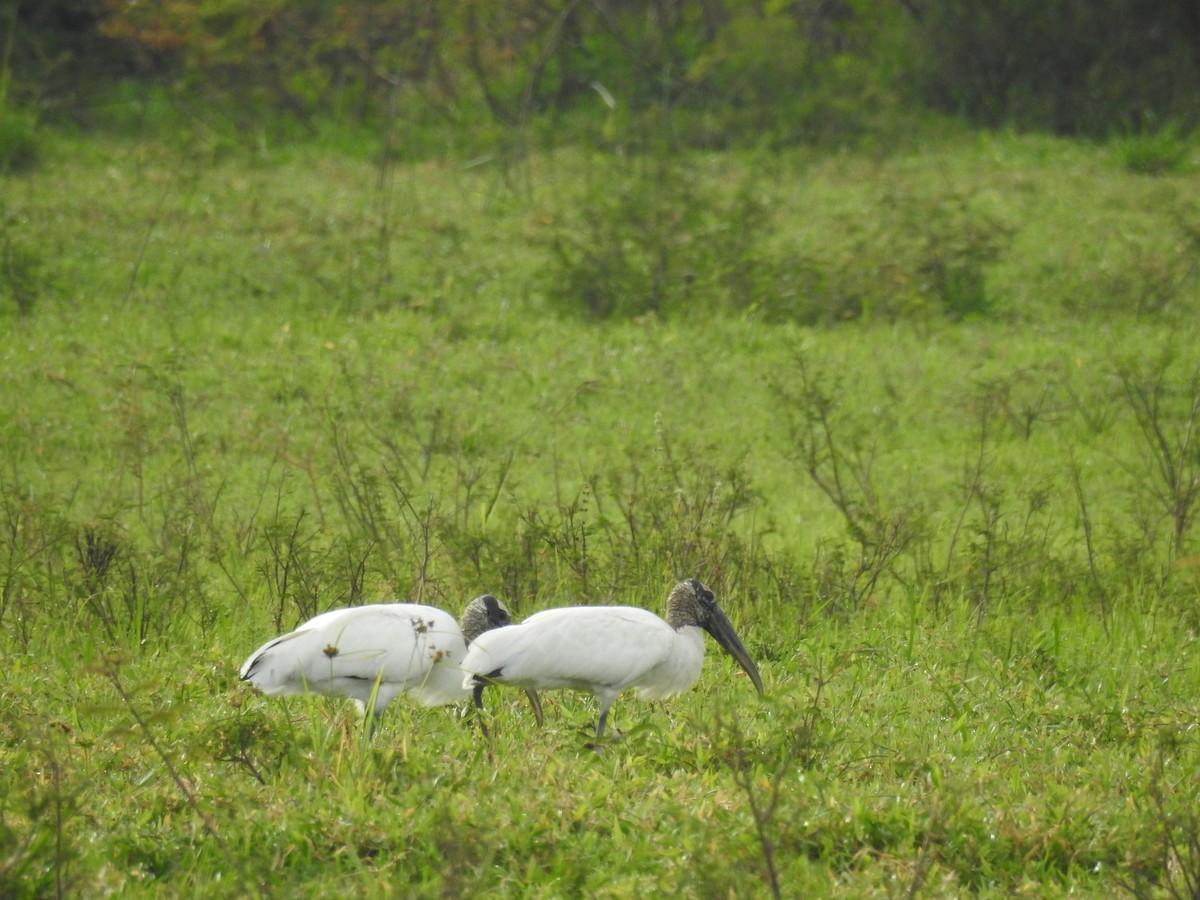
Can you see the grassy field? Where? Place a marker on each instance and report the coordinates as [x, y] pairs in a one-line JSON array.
[[924, 421]]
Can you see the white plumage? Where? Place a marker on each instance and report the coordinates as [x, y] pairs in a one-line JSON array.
[[607, 649], [375, 652]]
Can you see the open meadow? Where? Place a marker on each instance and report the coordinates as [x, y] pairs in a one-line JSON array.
[[926, 421]]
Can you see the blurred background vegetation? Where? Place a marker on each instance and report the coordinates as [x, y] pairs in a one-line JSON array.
[[699, 74]]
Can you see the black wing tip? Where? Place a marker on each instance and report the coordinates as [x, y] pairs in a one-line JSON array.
[[249, 670], [481, 678]]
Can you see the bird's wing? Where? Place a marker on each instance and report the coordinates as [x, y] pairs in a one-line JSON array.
[[573, 647]]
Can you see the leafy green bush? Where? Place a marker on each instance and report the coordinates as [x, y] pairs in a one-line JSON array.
[[652, 237], [910, 254], [21, 265], [18, 140], [649, 237], [795, 74], [1147, 276], [1154, 152]]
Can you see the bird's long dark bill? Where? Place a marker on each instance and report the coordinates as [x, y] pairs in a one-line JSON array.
[[720, 629]]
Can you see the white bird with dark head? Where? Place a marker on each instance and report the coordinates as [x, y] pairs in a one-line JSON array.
[[372, 654], [606, 649]]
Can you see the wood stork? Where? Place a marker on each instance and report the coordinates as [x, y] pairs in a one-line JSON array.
[[372, 654], [606, 649]]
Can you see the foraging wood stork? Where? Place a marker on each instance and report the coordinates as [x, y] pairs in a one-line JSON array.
[[372, 654], [606, 649]]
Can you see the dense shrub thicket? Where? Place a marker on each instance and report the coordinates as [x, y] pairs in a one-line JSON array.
[[728, 71]]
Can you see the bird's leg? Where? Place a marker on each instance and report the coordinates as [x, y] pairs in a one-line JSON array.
[[600, 724], [478, 695], [536, 703]]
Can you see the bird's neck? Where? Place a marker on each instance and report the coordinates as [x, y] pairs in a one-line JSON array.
[[677, 616]]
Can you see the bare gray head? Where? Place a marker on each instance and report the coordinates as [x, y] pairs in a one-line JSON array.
[[691, 603], [483, 614]]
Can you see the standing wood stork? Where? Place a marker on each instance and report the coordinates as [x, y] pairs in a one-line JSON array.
[[372, 654], [606, 649]]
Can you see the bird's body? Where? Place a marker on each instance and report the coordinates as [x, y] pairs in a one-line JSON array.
[[372, 654], [607, 649], [640, 650]]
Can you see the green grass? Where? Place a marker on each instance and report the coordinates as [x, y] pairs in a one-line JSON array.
[[954, 522]]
